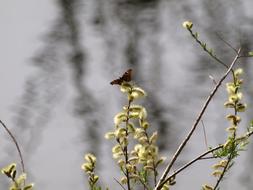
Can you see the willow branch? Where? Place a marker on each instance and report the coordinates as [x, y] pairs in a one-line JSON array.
[[195, 36], [200, 157], [119, 184], [182, 145], [16, 144]]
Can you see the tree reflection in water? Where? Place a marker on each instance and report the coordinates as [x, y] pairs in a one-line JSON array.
[[133, 34]]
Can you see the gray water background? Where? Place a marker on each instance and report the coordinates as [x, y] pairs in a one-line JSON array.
[[58, 57]]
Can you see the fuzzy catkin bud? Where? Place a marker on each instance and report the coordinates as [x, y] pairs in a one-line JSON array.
[[187, 24], [207, 187]]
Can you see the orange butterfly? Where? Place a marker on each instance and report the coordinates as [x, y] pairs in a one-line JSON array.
[[126, 77]]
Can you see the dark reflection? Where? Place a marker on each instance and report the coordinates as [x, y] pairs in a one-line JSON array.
[[141, 21], [85, 103], [45, 89], [138, 23], [130, 31]]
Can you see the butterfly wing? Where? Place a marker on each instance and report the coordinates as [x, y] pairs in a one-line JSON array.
[[127, 77], [116, 81]]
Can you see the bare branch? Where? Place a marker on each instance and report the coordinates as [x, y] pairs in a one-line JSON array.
[[228, 44], [191, 162], [16, 144], [182, 145], [204, 131]]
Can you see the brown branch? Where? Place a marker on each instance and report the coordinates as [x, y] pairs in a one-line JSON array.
[[182, 145], [16, 144], [200, 157]]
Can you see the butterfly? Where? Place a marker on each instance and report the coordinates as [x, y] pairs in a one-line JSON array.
[[126, 77]]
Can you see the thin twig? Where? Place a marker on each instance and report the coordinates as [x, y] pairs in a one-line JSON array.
[[208, 158], [245, 56], [204, 131], [228, 44], [202, 157], [182, 145], [16, 144], [143, 183], [190, 163], [205, 49], [119, 183]]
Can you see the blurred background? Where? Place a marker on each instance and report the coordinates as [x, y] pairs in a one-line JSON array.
[[57, 60]]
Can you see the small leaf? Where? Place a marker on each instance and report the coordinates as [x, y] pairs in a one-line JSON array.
[[207, 187], [203, 46], [29, 187], [196, 35], [241, 107], [13, 174]]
